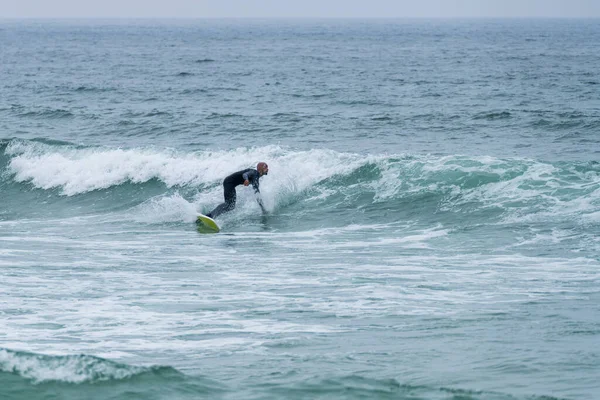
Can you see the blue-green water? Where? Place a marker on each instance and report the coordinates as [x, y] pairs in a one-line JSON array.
[[433, 196]]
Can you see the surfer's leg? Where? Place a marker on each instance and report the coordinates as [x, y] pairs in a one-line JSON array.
[[229, 193], [230, 197]]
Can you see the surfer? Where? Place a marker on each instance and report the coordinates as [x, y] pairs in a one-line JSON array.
[[244, 177]]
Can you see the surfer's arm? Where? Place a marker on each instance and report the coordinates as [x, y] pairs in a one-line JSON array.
[[251, 177]]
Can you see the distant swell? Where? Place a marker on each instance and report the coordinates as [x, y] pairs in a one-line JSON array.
[[222, 115], [47, 113], [362, 387], [493, 115], [90, 89]]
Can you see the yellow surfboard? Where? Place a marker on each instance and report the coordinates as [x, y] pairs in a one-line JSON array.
[[207, 224]]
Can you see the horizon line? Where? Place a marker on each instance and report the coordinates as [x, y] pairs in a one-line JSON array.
[[292, 17]]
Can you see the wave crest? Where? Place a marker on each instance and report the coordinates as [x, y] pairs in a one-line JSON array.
[[71, 369]]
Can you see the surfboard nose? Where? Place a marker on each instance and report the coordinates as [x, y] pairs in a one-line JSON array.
[[207, 224]]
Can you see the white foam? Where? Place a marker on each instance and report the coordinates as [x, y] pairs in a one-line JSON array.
[[73, 369], [593, 217], [76, 170], [165, 209], [536, 191]]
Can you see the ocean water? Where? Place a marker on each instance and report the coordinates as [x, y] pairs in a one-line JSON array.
[[434, 209]]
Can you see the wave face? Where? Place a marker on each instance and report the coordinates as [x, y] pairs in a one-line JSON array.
[[36, 376], [40, 368], [381, 188]]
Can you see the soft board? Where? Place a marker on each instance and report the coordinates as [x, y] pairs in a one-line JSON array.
[[207, 224]]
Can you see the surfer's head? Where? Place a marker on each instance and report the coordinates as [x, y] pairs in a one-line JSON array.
[[262, 168]]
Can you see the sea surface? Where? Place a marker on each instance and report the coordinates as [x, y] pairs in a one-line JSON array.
[[433, 226]]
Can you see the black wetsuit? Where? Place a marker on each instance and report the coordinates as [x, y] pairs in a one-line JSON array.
[[229, 184]]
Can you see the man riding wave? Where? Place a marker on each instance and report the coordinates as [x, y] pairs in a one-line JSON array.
[[244, 177]]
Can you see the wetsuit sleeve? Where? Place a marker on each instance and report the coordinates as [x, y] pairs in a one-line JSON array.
[[252, 176]]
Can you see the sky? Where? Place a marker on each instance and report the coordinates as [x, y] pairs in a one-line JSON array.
[[298, 8]]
